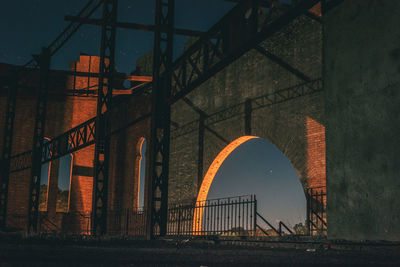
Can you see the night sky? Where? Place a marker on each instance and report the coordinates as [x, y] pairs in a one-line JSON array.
[[256, 167]]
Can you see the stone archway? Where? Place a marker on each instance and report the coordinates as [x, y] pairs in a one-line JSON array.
[[222, 168]]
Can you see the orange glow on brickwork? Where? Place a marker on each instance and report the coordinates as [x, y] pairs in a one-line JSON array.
[[139, 78], [209, 177], [316, 10], [316, 163], [138, 171]]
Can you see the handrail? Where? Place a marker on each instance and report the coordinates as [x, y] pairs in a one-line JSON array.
[[279, 231], [284, 225], [270, 225], [44, 218]]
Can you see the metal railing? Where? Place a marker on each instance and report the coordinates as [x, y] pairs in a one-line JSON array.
[[234, 216], [316, 211], [129, 222], [270, 230]]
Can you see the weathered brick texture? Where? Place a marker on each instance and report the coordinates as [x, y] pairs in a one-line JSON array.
[[296, 127]]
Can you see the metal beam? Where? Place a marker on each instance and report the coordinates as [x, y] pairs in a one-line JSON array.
[[104, 98], [200, 152], [282, 63], [161, 117], [237, 32], [118, 76], [7, 145], [38, 135], [276, 97], [247, 116], [73, 27], [135, 26], [271, 3], [73, 140], [68, 32]]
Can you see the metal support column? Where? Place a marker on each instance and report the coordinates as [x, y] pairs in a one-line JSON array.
[[104, 99], [247, 117], [161, 116], [7, 148], [38, 135], [200, 151]]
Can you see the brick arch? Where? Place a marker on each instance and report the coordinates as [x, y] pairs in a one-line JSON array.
[[138, 170], [212, 171], [44, 207], [209, 178], [301, 138], [254, 96], [71, 155], [216, 164]]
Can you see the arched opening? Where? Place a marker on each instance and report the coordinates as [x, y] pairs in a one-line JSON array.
[[140, 173], [64, 183], [252, 165], [44, 181]]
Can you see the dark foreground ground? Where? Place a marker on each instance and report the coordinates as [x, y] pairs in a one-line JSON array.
[[61, 251]]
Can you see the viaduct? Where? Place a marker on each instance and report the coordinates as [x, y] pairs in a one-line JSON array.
[[318, 79]]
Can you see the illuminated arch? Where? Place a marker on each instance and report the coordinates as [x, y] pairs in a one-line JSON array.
[[44, 178], [140, 172], [209, 177], [64, 182]]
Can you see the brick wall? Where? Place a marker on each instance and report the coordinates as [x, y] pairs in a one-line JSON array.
[[63, 113], [296, 127]]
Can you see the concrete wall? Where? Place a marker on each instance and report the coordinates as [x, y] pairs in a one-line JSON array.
[[362, 83]]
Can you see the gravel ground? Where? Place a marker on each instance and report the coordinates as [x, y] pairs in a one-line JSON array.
[[57, 252]]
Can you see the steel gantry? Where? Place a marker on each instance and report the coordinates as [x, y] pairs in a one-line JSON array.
[[38, 135], [161, 116], [21, 161], [235, 34], [104, 103], [12, 85]]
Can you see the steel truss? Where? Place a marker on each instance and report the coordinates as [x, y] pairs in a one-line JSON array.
[[7, 144], [316, 210], [161, 116], [250, 105], [75, 139], [38, 135], [104, 99], [5, 162], [238, 32]]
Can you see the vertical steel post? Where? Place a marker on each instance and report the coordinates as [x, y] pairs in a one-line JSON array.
[[255, 216], [308, 196], [247, 118], [7, 148], [200, 156], [179, 218], [38, 135], [104, 99], [161, 116]]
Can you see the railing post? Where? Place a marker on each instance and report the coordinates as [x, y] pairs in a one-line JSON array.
[[37, 146], [255, 216], [161, 117], [308, 212], [127, 222], [7, 148], [179, 219]]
